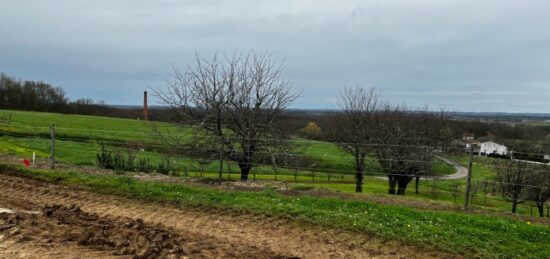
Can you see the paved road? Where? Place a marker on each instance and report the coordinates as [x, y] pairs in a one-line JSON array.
[[460, 171]]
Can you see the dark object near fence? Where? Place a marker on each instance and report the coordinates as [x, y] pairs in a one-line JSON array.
[[119, 161]]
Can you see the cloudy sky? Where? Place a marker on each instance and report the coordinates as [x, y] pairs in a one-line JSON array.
[[491, 55]]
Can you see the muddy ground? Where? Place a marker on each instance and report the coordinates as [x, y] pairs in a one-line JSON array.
[[52, 221]]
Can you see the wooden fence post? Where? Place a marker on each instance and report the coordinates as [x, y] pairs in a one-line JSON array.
[[469, 178], [52, 147]]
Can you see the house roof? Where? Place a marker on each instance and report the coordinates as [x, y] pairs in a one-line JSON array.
[[492, 142]]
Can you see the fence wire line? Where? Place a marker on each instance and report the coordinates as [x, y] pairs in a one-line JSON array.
[[324, 169], [349, 157], [294, 154], [347, 172], [122, 144], [438, 189], [271, 139], [260, 139]]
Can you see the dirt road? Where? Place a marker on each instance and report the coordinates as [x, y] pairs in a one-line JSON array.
[[31, 230]]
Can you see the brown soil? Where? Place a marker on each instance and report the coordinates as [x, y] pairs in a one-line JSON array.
[[60, 224], [102, 226]]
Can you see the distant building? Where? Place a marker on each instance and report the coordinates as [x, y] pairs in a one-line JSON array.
[[476, 145], [468, 136], [490, 147]]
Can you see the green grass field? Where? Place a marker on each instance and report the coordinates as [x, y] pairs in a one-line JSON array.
[[28, 132], [80, 127]]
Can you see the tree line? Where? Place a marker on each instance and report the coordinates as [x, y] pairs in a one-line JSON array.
[[521, 181], [236, 108], [30, 95], [39, 96]]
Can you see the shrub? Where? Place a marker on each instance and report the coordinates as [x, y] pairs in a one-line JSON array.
[[311, 130]]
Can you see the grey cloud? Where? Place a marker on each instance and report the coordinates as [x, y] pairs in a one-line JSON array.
[[464, 55]]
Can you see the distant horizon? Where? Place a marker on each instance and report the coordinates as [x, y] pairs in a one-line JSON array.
[[327, 110]]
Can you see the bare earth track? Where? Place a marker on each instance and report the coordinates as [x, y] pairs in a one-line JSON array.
[[34, 231]]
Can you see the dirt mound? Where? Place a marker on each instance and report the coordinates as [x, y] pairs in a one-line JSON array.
[[59, 224], [126, 237]]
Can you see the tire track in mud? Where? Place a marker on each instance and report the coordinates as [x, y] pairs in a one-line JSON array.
[[282, 236]]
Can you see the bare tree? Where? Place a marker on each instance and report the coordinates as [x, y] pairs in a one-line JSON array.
[[406, 143], [512, 177], [354, 125], [237, 101], [538, 190]]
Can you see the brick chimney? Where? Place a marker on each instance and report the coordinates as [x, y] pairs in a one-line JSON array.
[[145, 105]]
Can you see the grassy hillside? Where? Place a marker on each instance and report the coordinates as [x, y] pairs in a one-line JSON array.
[[28, 131], [72, 126]]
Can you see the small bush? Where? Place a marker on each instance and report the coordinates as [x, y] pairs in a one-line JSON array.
[[105, 159], [311, 131], [144, 165], [164, 167], [120, 162]]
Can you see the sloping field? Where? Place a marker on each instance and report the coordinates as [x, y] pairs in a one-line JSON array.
[[80, 137], [288, 225], [185, 232]]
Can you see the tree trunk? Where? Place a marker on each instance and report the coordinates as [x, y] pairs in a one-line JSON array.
[[245, 169], [540, 206], [359, 175], [220, 169], [392, 181], [402, 182], [417, 180], [514, 205]]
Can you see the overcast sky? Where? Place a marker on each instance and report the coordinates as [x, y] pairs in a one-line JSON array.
[[461, 55]]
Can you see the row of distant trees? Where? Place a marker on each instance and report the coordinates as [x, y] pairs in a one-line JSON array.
[[236, 107], [30, 95], [39, 96]]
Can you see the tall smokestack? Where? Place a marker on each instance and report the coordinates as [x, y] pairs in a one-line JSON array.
[[145, 105]]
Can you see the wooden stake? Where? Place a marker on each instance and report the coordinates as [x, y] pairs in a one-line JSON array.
[[52, 147]]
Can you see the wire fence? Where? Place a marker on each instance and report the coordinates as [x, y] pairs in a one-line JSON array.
[[483, 192]]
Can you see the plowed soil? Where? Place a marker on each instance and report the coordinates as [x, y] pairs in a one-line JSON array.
[[56, 221]]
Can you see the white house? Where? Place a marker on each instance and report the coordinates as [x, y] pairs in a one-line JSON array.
[[490, 147]]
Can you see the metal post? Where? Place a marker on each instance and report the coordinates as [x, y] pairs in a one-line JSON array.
[[52, 147], [33, 160], [469, 178]]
